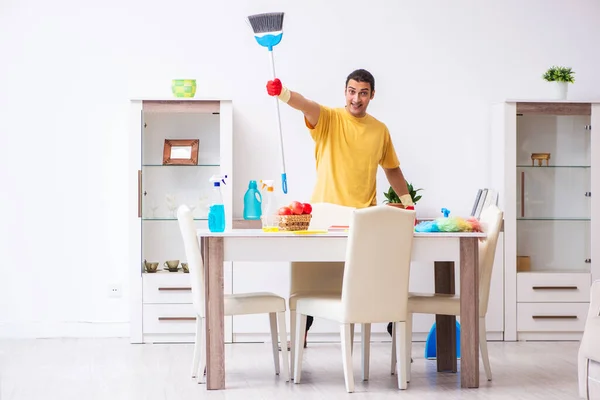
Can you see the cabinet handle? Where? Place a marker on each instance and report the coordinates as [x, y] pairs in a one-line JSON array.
[[139, 193], [176, 318], [554, 317], [174, 288], [522, 194], [554, 288]]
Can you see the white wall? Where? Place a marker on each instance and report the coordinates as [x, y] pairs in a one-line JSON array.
[[68, 71]]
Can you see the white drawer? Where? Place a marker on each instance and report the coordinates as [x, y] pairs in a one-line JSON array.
[[553, 287], [551, 317], [167, 288], [169, 318]]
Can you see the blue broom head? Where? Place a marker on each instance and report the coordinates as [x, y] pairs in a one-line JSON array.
[[268, 28], [269, 40]]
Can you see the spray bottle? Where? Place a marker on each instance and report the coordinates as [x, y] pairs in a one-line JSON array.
[[269, 207], [216, 212]]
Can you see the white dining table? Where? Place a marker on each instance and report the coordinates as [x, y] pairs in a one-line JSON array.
[[254, 245]]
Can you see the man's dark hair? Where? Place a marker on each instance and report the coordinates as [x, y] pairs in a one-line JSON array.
[[362, 75]]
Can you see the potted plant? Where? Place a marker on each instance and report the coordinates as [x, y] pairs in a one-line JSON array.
[[392, 199], [560, 77]]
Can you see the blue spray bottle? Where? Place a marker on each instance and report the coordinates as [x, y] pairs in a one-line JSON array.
[[216, 212]]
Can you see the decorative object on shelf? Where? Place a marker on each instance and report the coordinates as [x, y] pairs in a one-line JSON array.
[[180, 152], [153, 205], [186, 268], [560, 77], [523, 264], [392, 199], [171, 204], [172, 265], [183, 87], [150, 267], [540, 157]]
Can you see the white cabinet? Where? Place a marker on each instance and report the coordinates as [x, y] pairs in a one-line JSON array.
[[545, 160], [160, 180]]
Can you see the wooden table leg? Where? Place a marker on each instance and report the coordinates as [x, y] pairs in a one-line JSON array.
[[469, 312], [212, 254], [445, 339]]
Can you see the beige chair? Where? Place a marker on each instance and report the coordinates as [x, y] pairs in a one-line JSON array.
[[444, 304], [235, 304], [589, 349], [308, 278], [374, 288]]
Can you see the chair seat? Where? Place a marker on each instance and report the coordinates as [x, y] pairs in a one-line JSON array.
[[326, 305], [253, 303], [434, 303], [301, 295]]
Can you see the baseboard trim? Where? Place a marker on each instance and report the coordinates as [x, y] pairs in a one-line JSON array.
[[47, 330], [549, 336]]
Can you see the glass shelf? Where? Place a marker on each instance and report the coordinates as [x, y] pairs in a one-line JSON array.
[[197, 165], [553, 166]]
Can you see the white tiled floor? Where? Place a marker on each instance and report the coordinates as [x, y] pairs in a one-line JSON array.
[[94, 369]]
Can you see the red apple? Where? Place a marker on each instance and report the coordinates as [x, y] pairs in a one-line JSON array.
[[306, 208], [296, 207], [284, 211]]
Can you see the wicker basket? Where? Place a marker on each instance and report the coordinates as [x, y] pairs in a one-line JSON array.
[[294, 222]]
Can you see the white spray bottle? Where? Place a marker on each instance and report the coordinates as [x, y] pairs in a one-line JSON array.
[[269, 207]]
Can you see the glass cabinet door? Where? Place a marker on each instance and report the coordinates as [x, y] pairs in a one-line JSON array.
[[553, 193]]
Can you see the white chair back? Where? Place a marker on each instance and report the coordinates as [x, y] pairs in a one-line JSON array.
[[321, 276], [491, 223], [193, 255], [377, 269], [326, 214]]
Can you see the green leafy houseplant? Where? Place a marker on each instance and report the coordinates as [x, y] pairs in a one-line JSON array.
[[392, 198], [559, 74]]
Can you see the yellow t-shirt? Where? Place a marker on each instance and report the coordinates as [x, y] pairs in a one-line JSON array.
[[348, 151]]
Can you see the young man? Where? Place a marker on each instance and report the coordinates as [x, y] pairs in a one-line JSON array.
[[349, 146]]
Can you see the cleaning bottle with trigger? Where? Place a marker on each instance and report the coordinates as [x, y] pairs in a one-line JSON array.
[[270, 222], [216, 212]]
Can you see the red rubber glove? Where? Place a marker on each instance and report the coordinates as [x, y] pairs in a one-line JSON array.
[[274, 87]]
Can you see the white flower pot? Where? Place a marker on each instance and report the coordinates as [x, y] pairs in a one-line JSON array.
[[560, 90]]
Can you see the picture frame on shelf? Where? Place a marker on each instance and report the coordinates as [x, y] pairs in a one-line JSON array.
[[180, 152]]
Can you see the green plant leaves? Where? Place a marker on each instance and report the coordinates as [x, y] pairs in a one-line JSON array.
[[559, 74], [392, 197]]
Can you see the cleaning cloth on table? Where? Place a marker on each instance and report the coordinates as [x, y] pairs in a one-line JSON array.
[[449, 224]]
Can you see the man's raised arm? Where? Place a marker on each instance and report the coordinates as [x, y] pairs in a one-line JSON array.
[[309, 108]]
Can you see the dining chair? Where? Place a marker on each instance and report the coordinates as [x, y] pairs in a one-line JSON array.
[[589, 349], [235, 304], [309, 278], [449, 304], [374, 286]]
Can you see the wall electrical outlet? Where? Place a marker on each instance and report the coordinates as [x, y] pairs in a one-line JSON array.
[[114, 290]]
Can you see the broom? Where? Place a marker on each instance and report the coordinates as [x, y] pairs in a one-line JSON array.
[[268, 30]]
